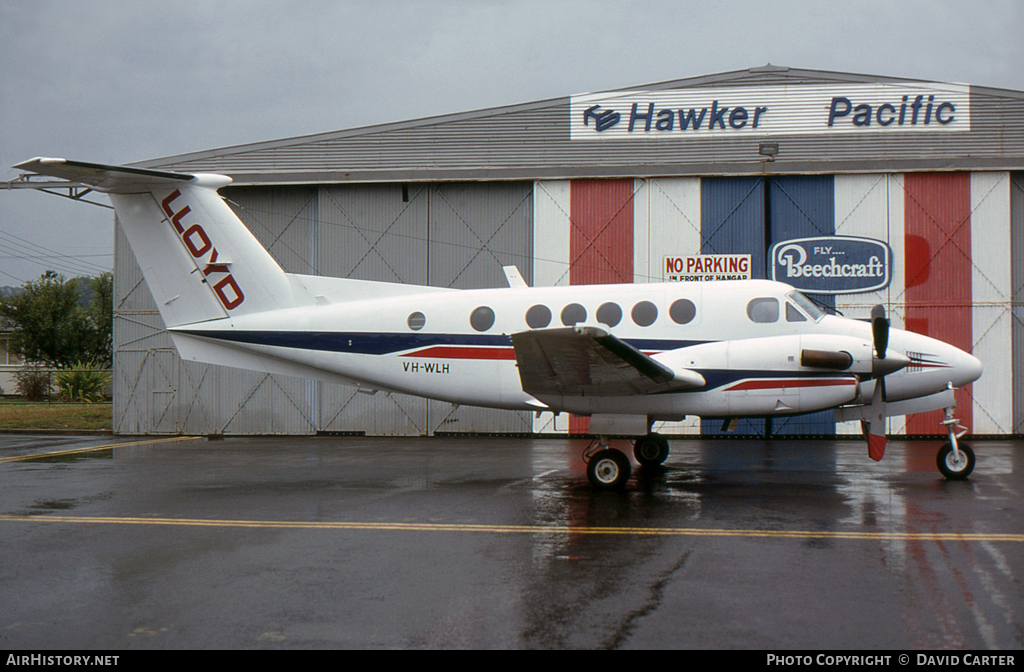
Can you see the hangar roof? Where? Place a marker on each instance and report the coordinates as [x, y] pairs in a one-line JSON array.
[[762, 120]]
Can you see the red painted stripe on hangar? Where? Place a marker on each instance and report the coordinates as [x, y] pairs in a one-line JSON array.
[[938, 268], [600, 241]]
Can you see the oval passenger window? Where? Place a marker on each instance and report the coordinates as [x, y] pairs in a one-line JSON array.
[[609, 313], [538, 317], [645, 313], [763, 310], [573, 313], [417, 320], [682, 311], [482, 318]]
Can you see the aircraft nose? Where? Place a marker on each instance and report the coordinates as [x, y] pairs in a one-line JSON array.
[[966, 368]]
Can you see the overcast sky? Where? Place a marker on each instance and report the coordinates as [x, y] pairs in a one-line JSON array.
[[115, 81]]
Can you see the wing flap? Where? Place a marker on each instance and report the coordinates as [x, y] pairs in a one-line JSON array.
[[586, 361]]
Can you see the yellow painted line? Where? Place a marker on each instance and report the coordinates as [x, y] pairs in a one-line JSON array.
[[524, 529], [92, 449]]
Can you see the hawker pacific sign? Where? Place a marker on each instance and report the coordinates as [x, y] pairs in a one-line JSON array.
[[771, 110], [832, 264]]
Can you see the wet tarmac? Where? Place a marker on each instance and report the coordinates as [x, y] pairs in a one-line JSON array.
[[496, 542]]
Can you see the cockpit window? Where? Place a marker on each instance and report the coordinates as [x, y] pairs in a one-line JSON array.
[[794, 315], [763, 310], [808, 306]]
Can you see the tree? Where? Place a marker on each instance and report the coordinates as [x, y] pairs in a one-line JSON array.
[[53, 328]]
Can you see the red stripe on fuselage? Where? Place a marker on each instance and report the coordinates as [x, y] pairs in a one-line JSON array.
[[789, 382], [463, 352]]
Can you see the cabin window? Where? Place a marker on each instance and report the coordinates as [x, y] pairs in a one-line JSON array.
[[794, 315], [573, 313], [609, 313], [538, 317], [645, 313], [482, 318], [416, 321], [763, 310], [682, 311]]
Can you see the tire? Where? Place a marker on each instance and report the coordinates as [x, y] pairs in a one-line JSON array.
[[650, 450], [609, 469], [951, 469]]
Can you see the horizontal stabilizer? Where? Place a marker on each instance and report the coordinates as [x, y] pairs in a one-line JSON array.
[[112, 179], [586, 361]]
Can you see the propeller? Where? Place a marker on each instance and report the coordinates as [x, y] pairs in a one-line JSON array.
[[882, 364], [880, 330]]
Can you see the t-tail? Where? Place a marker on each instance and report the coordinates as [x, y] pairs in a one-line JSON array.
[[200, 261]]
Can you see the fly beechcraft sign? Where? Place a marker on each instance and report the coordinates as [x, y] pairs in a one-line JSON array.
[[771, 110], [832, 264]]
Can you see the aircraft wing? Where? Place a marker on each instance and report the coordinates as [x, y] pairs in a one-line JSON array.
[[103, 177], [587, 361]]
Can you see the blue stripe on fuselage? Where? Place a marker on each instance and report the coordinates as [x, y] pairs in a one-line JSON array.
[[375, 343]]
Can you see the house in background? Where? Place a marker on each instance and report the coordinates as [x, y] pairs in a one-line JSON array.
[[9, 362]]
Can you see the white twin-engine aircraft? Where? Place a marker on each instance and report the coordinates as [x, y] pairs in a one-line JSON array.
[[625, 355]]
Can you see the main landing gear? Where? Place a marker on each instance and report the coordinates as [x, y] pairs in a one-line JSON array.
[[610, 468], [650, 450], [955, 459]]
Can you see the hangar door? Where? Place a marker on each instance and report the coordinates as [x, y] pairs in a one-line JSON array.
[[747, 215], [445, 235], [451, 235]]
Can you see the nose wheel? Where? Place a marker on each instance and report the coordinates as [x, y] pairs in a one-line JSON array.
[[955, 459], [955, 465]]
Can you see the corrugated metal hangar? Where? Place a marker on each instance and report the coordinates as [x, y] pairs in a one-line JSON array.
[[911, 186]]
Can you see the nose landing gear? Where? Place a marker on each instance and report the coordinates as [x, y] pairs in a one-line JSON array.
[[955, 459]]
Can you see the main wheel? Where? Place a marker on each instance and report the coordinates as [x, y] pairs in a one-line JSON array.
[[650, 450], [951, 468], [609, 469]]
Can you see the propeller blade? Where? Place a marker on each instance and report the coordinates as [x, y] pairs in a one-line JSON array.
[[874, 422], [884, 362], [880, 331]]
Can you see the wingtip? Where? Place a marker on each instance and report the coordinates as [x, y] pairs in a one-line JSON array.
[[39, 161]]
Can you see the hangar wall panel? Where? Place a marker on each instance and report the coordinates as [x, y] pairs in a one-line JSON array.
[[552, 224], [871, 206], [284, 221], [600, 241], [802, 206], [473, 230], [939, 271], [991, 296], [601, 233], [1017, 297], [666, 222], [732, 221], [372, 232]]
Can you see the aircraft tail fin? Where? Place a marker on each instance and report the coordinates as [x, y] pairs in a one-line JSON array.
[[200, 261]]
